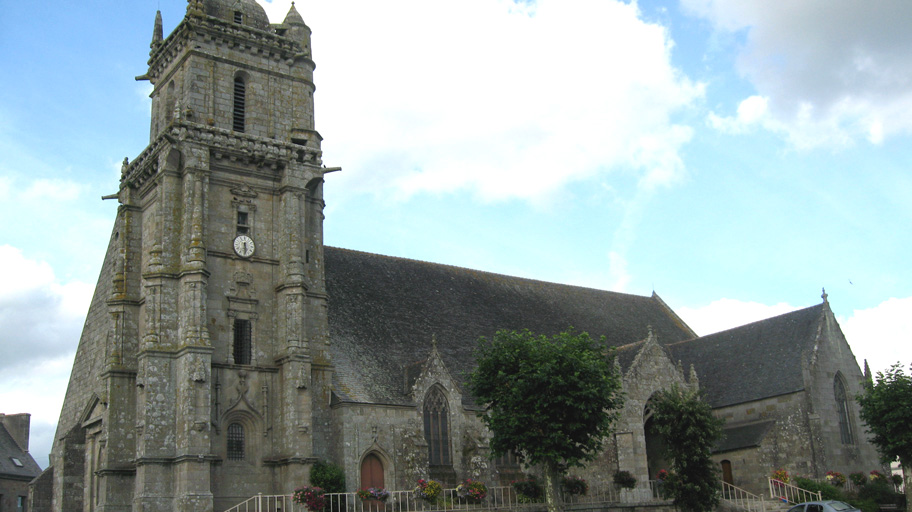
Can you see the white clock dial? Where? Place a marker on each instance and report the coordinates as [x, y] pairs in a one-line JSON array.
[[243, 246]]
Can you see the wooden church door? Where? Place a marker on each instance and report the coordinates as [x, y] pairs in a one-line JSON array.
[[372, 476], [371, 472]]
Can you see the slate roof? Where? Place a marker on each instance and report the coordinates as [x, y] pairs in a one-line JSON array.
[[743, 436], [754, 361], [9, 449], [383, 311]]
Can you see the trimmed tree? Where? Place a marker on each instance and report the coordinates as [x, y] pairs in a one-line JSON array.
[[550, 401], [886, 408], [690, 430]]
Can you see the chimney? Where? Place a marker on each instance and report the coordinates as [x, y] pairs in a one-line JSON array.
[[18, 427]]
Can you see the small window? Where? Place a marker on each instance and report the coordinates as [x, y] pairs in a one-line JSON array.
[[238, 17], [242, 343], [21, 504], [235, 441], [240, 104], [243, 218], [16, 462]]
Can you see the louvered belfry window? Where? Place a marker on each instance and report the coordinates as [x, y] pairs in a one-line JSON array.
[[436, 429], [235, 441], [242, 341], [240, 103]]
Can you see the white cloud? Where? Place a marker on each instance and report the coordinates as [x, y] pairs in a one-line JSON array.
[[41, 320], [52, 190], [882, 334], [617, 272], [723, 314], [39, 392], [495, 97], [832, 73], [37, 312]]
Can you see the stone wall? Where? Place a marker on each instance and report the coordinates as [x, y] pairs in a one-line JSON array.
[[832, 360]]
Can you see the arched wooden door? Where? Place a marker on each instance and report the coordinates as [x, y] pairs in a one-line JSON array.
[[372, 476]]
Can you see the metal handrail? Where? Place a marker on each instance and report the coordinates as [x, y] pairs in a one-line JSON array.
[[742, 498], [500, 498], [791, 494]]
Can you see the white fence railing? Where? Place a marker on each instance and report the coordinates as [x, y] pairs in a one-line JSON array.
[[789, 493], [743, 499], [406, 501]]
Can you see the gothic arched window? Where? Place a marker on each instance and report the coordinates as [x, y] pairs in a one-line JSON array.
[[842, 409], [437, 428], [235, 441], [240, 104]]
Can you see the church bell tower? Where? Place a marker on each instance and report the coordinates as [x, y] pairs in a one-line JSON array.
[[215, 373]]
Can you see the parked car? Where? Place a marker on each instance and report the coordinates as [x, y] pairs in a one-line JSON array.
[[823, 506]]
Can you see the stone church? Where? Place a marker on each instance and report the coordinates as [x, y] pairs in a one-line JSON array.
[[226, 349]]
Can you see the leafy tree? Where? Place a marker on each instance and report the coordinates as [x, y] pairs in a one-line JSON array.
[[690, 430], [551, 401], [328, 476], [886, 408]]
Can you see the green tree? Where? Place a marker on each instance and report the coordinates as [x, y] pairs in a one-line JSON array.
[[886, 408], [690, 430], [551, 401], [328, 476]]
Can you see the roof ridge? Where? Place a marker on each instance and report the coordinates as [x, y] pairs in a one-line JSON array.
[[743, 326], [486, 272]]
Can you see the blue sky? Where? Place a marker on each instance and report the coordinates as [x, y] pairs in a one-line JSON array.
[[734, 156]]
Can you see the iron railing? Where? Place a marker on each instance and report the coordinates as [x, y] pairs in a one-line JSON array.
[[500, 498], [791, 494], [743, 499]]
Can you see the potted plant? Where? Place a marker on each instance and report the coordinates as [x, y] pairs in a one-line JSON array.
[[428, 490], [574, 486], [835, 478], [528, 490], [858, 478], [625, 480], [311, 497], [781, 475], [374, 493], [471, 491]]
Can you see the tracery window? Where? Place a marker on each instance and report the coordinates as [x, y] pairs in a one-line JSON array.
[[436, 428], [235, 441], [240, 104], [842, 409], [242, 341]]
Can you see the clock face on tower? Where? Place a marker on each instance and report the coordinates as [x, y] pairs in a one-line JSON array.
[[243, 246]]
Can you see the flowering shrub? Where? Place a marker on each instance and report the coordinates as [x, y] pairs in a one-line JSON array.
[[471, 491], [877, 476], [781, 475], [858, 478], [374, 493], [625, 480], [311, 497], [662, 475], [428, 490], [835, 478], [574, 485], [528, 490]]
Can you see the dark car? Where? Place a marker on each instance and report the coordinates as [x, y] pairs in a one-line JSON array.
[[823, 506]]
